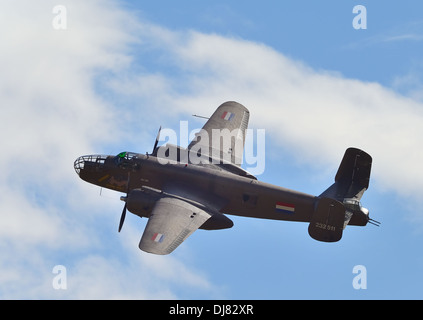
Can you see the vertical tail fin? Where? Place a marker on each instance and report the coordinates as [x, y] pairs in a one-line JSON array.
[[351, 181], [353, 174], [340, 204]]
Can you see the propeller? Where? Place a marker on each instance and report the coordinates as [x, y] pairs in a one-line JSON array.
[[122, 217], [157, 140]]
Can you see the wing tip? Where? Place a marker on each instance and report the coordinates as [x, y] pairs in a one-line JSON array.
[[234, 104]]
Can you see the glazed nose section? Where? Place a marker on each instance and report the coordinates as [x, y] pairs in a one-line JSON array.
[[79, 165], [89, 163]]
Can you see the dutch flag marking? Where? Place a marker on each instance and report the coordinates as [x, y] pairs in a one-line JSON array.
[[283, 207]]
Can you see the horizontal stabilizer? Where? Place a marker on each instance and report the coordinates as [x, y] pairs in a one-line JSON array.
[[327, 222]]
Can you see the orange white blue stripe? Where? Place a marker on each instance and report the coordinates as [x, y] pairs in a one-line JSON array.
[[158, 237], [228, 116], [283, 207]]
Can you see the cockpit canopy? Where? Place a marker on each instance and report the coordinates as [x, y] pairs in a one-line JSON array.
[[126, 160], [125, 156]]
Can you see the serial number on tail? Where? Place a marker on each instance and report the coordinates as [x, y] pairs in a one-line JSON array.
[[325, 226]]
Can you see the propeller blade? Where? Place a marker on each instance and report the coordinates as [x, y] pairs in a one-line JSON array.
[[157, 139], [122, 217]]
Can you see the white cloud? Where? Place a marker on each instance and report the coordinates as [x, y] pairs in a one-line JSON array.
[[53, 110]]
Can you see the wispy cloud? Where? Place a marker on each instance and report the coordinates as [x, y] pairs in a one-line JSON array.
[[403, 37], [410, 32]]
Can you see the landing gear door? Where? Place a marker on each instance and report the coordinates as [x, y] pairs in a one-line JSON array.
[[327, 222]]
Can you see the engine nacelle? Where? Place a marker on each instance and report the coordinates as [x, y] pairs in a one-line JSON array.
[[141, 202], [216, 222]]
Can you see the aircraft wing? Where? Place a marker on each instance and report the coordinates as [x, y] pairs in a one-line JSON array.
[[171, 222], [222, 138]]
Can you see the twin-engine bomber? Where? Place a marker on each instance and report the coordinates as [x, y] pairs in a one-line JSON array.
[[181, 195]]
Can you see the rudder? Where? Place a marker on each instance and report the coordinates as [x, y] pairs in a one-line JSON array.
[[353, 175]]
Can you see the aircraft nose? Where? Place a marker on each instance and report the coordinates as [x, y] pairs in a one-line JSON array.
[[79, 165], [90, 163]]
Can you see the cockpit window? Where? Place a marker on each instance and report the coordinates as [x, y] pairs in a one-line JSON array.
[[126, 159], [120, 157]]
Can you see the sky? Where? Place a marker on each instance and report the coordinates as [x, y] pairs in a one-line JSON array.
[[99, 77]]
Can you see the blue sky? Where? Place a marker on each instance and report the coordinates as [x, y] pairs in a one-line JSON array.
[[121, 69]]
